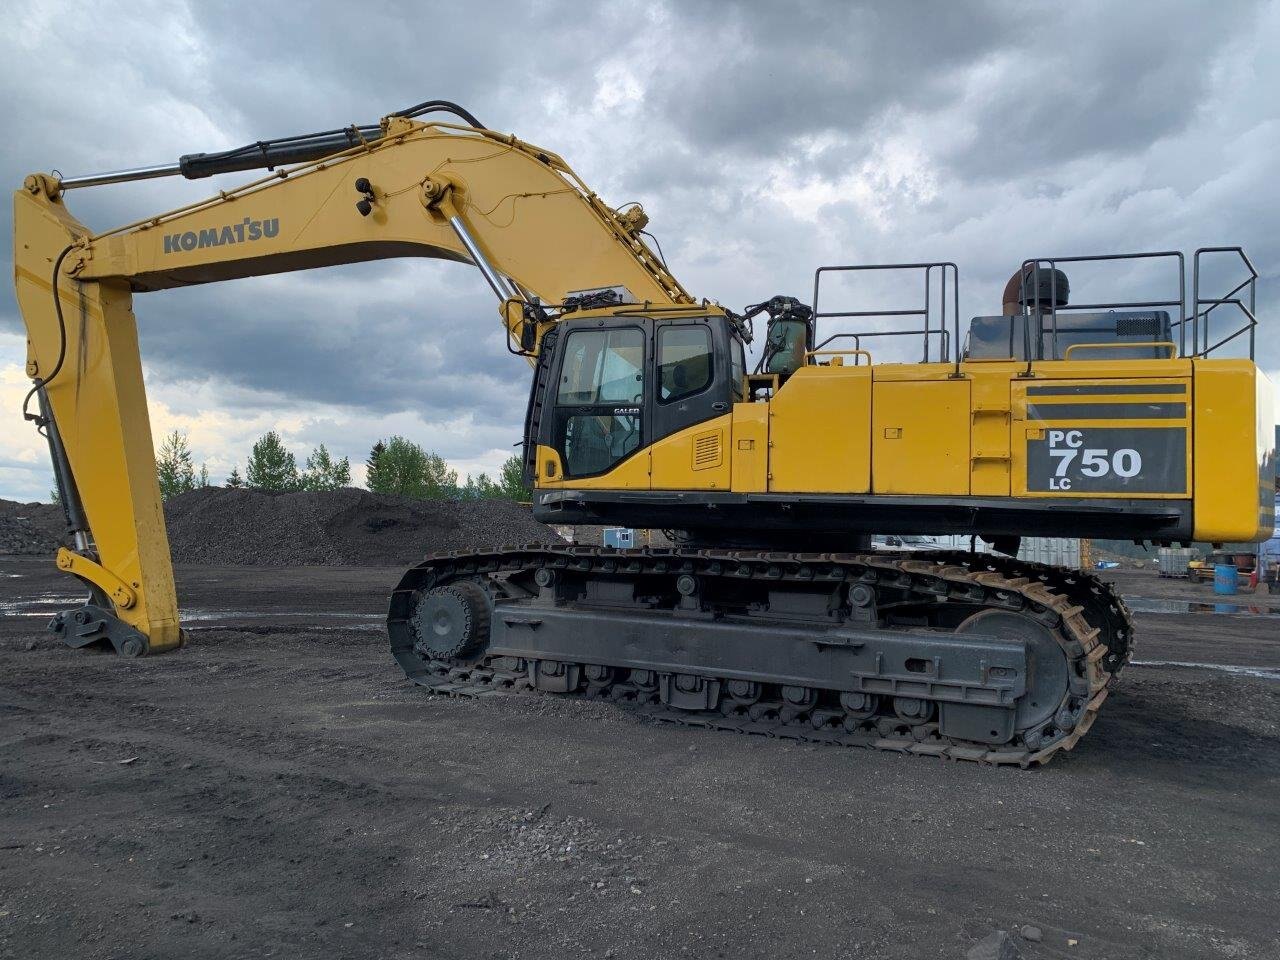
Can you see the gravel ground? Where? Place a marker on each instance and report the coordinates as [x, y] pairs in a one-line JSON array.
[[30, 529], [277, 789]]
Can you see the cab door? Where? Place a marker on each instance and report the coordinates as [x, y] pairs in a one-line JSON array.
[[597, 420], [695, 380]]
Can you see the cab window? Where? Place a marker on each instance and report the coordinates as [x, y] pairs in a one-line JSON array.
[[603, 367], [684, 361], [600, 397]]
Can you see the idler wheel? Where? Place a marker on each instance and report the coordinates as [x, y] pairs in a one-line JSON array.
[[452, 622], [1048, 672]]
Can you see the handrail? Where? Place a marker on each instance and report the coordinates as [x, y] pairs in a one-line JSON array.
[[857, 352], [943, 267], [1052, 262], [1251, 281], [1137, 345], [944, 347]]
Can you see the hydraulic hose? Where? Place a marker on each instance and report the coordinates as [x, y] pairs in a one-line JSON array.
[[62, 340]]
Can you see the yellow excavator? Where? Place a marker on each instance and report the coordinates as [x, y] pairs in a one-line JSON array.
[[771, 614]]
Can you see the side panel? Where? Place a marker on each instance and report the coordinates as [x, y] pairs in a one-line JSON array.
[[750, 453], [631, 474], [991, 454], [1234, 452], [696, 458], [818, 432], [920, 437]]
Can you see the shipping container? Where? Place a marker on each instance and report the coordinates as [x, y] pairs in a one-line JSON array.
[[1055, 551], [1173, 560]]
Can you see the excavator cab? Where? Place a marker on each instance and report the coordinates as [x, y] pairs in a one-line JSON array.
[[612, 386]]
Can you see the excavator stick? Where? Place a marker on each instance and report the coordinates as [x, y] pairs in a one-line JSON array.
[[82, 350]]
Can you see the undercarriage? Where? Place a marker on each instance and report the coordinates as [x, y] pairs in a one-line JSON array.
[[958, 655]]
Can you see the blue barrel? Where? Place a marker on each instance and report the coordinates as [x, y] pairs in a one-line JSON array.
[[1225, 578]]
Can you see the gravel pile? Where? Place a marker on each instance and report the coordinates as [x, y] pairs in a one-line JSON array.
[[30, 529], [347, 527]]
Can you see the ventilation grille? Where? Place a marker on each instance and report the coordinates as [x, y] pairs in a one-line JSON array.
[[707, 451], [1138, 326]]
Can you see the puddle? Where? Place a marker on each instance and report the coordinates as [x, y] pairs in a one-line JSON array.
[[377, 626], [198, 614], [44, 604], [40, 606], [1266, 673], [1151, 605]]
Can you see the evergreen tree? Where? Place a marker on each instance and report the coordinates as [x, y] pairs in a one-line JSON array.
[[511, 485], [400, 466], [271, 466], [235, 481], [174, 469], [373, 479], [204, 476], [324, 473]]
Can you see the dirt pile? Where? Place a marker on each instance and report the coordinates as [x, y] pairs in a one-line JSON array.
[[352, 527], [345, 527], [30, 529]]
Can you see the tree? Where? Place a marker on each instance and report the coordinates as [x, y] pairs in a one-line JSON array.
[[479, 487], [174, 469], [235, 481], [204, 476], [374, 479], [438, 480], [323, 473], [271, 466], [402, 467], [511, 485]]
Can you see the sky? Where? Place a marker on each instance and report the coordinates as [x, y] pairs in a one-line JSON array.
[[764, 140]]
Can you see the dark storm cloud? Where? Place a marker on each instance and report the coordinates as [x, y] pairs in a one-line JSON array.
[[359, 336], [772, 72], [764, 139]]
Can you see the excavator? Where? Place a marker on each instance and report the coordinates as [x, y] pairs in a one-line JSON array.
[[770, 613]]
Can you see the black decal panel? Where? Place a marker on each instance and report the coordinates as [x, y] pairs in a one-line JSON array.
[[1090, 460]]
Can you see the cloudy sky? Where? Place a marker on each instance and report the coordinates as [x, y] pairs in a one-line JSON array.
[[763, 139]]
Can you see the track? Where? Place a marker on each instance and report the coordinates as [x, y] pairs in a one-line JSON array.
[[926, 595]]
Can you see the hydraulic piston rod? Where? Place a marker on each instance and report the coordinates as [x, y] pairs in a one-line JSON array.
[[265, 154], [500, 285], [268, 154]]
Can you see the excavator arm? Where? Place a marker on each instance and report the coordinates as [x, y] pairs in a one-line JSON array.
[[405, 188]]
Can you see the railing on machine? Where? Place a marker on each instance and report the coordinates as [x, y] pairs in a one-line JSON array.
[[1197, 317], [1031, 271], [945, 337], [1250, 283]]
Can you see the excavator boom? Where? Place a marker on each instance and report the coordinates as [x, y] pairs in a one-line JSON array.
[[437, 190]]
